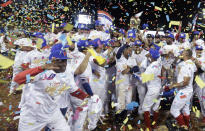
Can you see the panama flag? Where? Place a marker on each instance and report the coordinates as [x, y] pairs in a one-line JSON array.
[[105, 18]]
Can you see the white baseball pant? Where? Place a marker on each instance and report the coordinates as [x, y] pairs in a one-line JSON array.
[[151, 100], [124, 95], [180, 103], [29, 122]]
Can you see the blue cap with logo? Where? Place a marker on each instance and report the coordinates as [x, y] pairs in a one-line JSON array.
[[171, 36], [131, 34], [198, 47], [82, 26], [138, 43], [196, 32], [144, 26], [154, 53], [82, 44], [96, 42], [122, 31], [98, 23], [58, 46], [58, 53], [37, 34], [150, 36], [182, 35]]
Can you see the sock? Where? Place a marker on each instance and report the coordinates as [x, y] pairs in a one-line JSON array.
[[187, 120], [147, 119], [155, 119], [180, 120]]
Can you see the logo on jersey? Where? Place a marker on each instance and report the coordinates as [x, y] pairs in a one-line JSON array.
[[50, 77]]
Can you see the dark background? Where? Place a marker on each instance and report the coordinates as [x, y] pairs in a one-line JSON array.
[[19, 12]]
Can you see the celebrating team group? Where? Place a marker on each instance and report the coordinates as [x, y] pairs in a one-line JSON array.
[[72, 79]]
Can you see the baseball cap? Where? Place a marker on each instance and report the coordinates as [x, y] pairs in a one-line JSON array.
[[58, 46], [154, 53], [81, 26], [37, 34], [98, 23], [138, 43], [182, 35], [157, 36], [131, 34], [96, 42], [171, 36], [63, 25], [167, 31], [144, 26], [150, 36], [122, 31], [106, 42], [199, 47], [82, 44], [59, 54], [196, 32], [156, 46]]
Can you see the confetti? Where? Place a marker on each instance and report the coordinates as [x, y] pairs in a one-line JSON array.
[[65, 9], [28, 78], [167, 17], [113, 78], [99, 59], [155, 100], [3, 81], [10, 106], [6, 4], [126, 120], [119, 81], [158, 8], [199, 82], [174, 23], [147, 77], [5, 62], [68, 27], [53, 27], [153, 122], [129, 127], [50, 17], [197, 113]]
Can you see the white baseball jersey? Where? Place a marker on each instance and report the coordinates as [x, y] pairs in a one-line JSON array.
[[45, 90], [154, 68], [37, 58], [170, 48], [184, 45], [140, 58], [187, 70], [121, 64], [94, 34], [76, 59], [77, 36]]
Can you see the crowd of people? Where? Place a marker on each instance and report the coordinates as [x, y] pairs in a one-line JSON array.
[[71, 79]]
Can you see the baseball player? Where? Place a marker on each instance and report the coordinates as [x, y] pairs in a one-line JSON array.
[[180, 108], [151, 100], [139, 56], [200, 92], [123, 88], [41, 108], [25, 46]]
